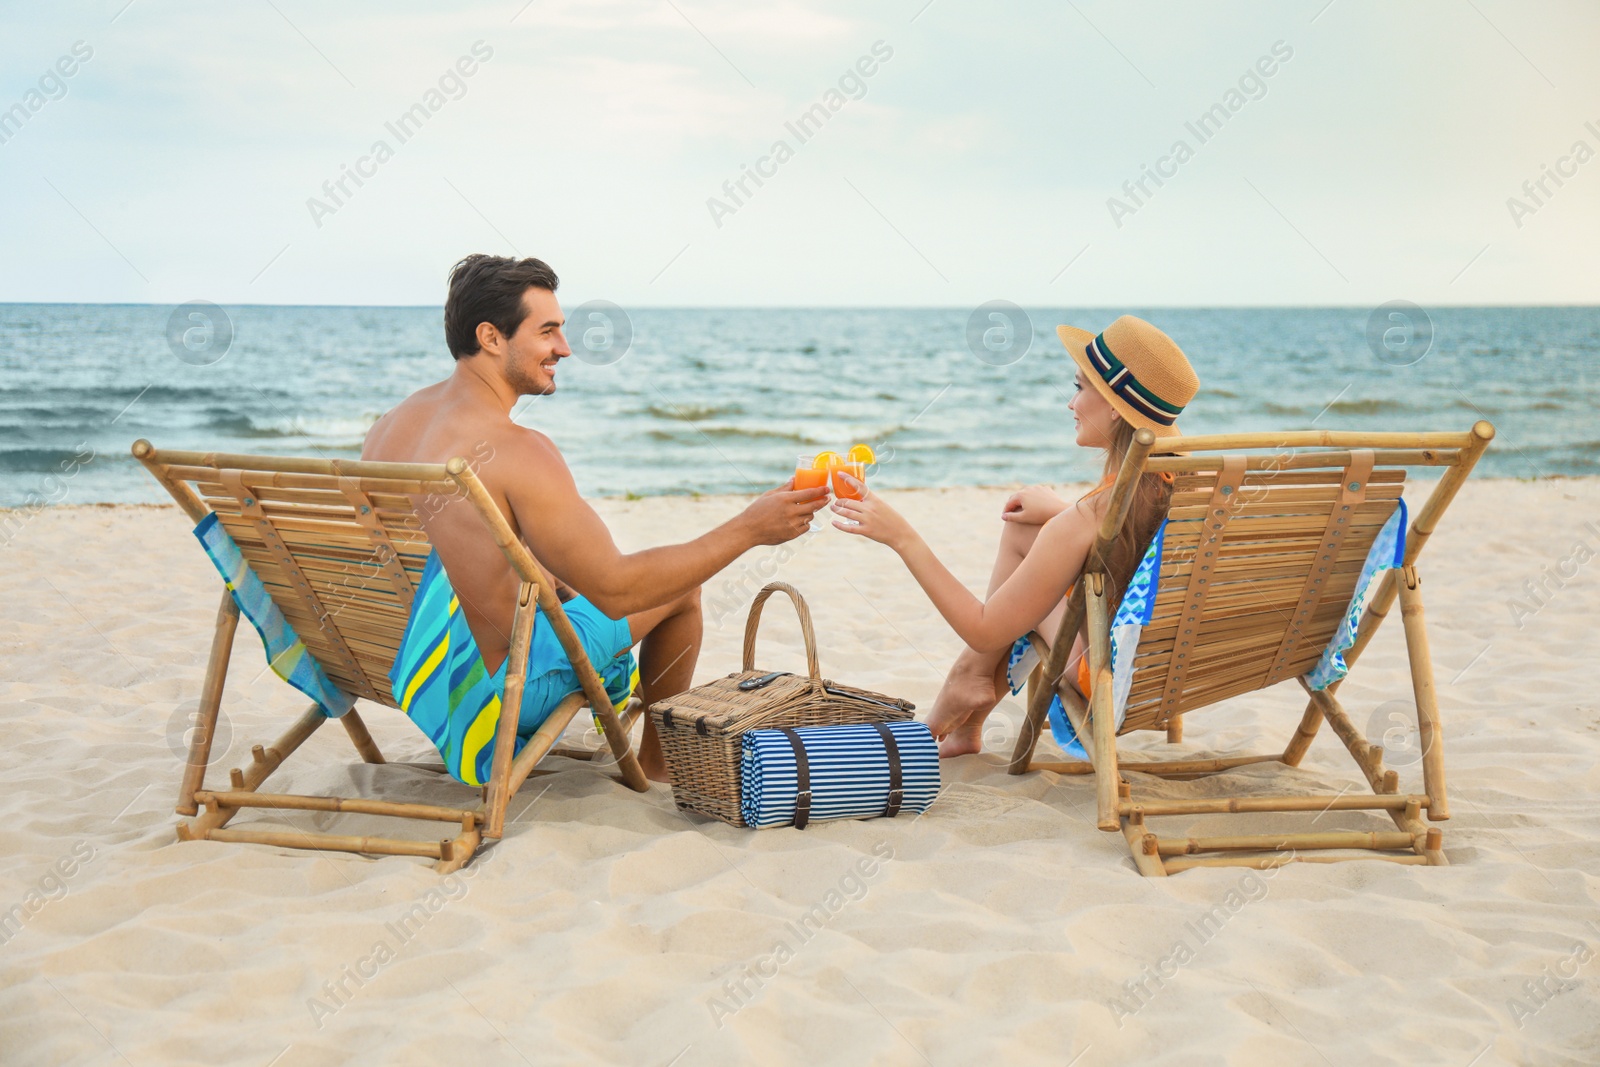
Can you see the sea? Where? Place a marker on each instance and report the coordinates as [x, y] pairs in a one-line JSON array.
[[698, 401]]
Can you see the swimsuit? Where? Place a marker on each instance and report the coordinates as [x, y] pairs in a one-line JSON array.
[[439, 680]]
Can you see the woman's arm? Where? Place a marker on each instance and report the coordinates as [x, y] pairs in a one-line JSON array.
[[1039, 583]]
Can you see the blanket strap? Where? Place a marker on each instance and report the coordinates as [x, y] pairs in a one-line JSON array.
[[250, 506], [1351, 493], [382, 548], [896, 783], [1224, 504], [802, 780]]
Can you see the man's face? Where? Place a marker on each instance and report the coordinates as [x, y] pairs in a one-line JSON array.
[[538, 345]]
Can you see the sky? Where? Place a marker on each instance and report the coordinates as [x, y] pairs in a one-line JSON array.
[[957, 152]]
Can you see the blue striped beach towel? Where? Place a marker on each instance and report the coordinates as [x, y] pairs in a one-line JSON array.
[[1388, 551], [848, 767], [286, 653]]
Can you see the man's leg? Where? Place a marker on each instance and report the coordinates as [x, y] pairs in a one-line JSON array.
[[669, 639], [977, 679]]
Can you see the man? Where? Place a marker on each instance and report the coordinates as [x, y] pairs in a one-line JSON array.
[[503, 325]]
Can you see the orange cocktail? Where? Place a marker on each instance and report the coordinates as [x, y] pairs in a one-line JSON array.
[[809, 476], [842, 488]]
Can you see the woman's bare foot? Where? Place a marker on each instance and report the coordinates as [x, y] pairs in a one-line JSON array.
[[964, 739], [968, 690]]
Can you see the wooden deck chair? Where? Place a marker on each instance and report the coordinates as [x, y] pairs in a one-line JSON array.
[[1259, 567], [339, 545]]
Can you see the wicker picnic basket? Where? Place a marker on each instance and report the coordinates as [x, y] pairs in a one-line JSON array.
[[701, 729]]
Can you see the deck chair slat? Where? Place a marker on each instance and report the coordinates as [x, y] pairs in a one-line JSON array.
[[332, 565], [1181, 536], [1420, 457], [1239, 593], [348, 610], [1177, 553], [1294, 494], [393, 511], [1271, 508], [363, 609], [323, 572], [326, 498], [1247, 648], [1223, 648], [206, 478], [1222, 624], [337, 530], [1236, 567], [337, 573], [1223, 686], [323, 539], [1277, 584], [1262, 527], [1221, 629], [392, 507], [346, 585], [1243, 652], [1286, 479]]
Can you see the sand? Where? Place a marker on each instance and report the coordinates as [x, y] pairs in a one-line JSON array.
[[606, 927]]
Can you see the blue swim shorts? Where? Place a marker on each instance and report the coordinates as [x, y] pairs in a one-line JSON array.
[[550, 679]]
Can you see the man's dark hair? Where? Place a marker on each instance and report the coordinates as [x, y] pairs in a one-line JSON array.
[[489, 289]]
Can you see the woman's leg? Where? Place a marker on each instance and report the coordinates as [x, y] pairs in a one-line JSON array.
[[977, 679]]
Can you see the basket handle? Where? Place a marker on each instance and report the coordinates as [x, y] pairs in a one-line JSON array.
[[754, 622]]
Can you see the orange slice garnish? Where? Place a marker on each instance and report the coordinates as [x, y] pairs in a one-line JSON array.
[[825, 460], [862, 454]]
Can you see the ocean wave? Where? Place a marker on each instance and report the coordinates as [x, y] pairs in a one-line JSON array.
[[728, 433], [63, 416], [692, 412], [1366, 407], [42, 460], [240, 424]]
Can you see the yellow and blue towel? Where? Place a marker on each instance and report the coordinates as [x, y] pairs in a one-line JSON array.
[[439, 680], [286, 654]]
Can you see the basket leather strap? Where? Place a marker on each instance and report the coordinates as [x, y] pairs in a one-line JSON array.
[[802, 780], [896, 783]]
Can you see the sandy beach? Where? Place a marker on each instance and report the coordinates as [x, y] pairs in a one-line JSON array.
[[607, 927]]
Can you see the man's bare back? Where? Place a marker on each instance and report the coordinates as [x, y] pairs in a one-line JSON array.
[[469, 415]]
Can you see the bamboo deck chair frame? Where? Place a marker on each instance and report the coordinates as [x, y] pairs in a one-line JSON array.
[[340, 546], [1314, 478]]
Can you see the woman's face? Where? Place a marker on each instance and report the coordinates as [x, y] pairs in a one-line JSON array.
[[1092, 414]]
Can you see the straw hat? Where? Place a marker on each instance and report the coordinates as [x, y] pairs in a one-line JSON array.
[[1140, 370]]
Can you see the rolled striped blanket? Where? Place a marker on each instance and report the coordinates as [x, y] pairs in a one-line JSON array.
[[849, 770]]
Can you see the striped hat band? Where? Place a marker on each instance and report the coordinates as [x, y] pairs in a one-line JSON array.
[[1126, 386]]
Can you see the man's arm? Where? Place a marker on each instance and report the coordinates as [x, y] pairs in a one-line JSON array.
[[567, 536]]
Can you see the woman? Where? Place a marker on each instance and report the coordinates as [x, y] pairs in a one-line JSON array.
[[1128, 377]]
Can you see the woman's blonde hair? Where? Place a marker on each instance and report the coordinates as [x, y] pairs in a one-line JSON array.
[[1152, 495]]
